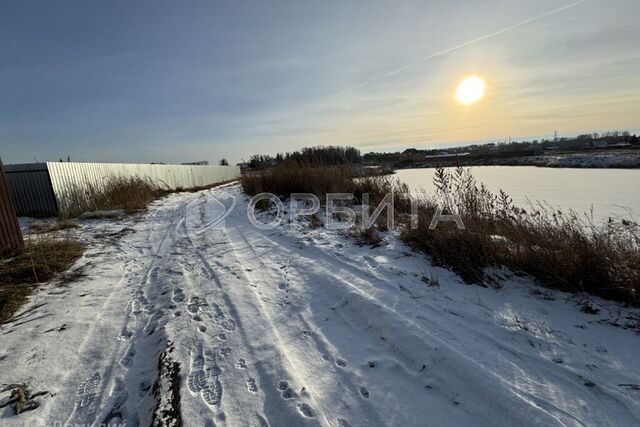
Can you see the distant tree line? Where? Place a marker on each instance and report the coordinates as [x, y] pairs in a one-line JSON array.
[[338, 155], [577, 143], [330, 155]]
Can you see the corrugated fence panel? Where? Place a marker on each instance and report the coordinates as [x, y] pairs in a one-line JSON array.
[[69, 177], [31, 189], [10, 234]]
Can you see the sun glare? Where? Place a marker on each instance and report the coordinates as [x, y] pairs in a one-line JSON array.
[[470, 90]]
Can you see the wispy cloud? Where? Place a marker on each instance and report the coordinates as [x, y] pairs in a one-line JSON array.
[[457, 47]]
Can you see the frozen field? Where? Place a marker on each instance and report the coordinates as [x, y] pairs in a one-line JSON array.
[[301, 326]]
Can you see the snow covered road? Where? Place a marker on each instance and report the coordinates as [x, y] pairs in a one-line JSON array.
[[298, 326]]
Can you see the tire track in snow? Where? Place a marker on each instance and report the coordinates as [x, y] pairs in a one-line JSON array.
[[306, 410]]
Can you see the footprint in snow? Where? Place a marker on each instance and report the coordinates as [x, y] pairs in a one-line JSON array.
[[229, 325], [193, 305], [251, 385], [87, 390], [289, 394], [262, 422], [217, 313], [212, 392], [205, 380], [306, 410], [364, 392], [196, 377], [341, 363]]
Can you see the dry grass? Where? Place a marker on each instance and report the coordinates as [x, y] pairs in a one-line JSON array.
[[127, 194], [43, 259], [292, 177], [561, 250], [42, 227], [117, 195]]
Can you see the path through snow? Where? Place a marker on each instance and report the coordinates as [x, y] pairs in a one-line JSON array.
[[300, 326]]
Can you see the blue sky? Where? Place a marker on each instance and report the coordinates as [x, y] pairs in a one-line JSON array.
[[141, 81]]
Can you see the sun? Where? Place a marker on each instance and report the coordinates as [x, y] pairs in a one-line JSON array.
[[470, 90]]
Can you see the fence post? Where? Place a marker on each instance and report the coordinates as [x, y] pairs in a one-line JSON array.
[[10, 235]]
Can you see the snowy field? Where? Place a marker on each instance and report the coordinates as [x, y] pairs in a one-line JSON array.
[[302, 326]]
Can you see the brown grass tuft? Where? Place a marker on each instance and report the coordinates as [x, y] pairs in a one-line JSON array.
[[127, 194], [42, 259]]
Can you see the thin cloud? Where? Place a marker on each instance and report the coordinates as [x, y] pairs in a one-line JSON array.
[[457, 47]]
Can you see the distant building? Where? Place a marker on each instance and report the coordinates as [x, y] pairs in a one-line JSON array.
[[411, 155]]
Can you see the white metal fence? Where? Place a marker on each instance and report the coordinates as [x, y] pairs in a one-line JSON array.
[[68, 177]]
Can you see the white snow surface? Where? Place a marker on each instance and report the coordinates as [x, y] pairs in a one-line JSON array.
[[303, 326]]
